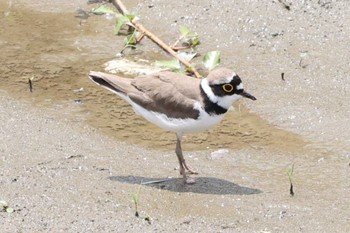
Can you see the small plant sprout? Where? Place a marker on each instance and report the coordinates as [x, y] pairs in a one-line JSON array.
[[131, 40], [290, 177], [187, 38], [133, 36], [5, 207], [148, 219], [135, 199], [31, 81]]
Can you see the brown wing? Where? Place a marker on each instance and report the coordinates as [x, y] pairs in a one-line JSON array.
[[165, 92], [172, 94]]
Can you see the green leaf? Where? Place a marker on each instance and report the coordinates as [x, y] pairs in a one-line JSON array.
[[173, 64], [121, 20], [211, 59], [290, 173], [195, 41], [135, 198], [130, 16], [191, 41], [187, 56], [189, 69], [185, 31], [101, 10], [130, 40], [137, 34], [188, 38]]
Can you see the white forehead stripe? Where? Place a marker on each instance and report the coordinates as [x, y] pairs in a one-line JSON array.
[[240, 86], [228, 79]]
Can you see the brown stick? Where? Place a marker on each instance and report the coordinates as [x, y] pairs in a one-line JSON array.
[[121, 7], [180, 48]]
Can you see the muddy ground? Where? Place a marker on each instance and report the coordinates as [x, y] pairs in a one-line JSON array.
[[72, 155]]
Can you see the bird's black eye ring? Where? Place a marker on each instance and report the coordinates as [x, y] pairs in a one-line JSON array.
[[228, 88]]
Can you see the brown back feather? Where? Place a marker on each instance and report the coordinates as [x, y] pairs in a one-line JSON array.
[[172, 94], [165, 92]]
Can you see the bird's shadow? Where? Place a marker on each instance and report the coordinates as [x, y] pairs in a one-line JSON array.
[[206, 185]]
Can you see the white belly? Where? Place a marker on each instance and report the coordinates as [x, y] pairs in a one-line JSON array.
[[204, 122], [188, 125]]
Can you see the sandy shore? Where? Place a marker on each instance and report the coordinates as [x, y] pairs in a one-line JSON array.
[[61, 176]]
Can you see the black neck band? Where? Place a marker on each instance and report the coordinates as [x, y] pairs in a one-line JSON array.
[[210, 107]]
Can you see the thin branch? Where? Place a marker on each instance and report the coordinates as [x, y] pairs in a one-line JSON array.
[[180, 48], [176, 42], [121, 7], [140, 38]]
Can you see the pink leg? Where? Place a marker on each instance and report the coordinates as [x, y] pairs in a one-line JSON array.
[[183, 166]]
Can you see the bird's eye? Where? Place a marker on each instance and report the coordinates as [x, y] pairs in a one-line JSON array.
[[228, 88]]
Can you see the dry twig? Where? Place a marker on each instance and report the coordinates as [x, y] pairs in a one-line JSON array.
[[122, 9]]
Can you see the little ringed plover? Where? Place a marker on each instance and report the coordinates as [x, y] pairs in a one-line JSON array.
[[178, 103]]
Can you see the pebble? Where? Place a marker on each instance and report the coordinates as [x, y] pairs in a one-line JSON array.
[[218, 154]]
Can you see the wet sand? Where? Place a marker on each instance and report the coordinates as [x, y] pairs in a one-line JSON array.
[[71, 160], [62, 176]]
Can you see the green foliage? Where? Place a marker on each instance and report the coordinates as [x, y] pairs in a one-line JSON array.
[[5, 207], [121, 20], [187, 56], [211, 59], [130, 40], [290, 173], [173, 64], [136, 196], [185, 31], [132, 35], [188, 38], [135, 199], [101, 10]]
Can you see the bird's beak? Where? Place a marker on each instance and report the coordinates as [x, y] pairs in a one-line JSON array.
[[247, 95]]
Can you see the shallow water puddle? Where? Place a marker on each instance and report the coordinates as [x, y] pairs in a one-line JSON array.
[[58, 50]]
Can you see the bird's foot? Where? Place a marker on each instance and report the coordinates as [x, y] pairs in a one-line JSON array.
[[189, 169], [187, 179]]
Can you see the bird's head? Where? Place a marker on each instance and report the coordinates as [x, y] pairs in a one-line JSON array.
[[223, 86]]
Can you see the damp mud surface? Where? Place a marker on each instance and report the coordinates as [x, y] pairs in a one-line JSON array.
[[58, 57], [73, 155]]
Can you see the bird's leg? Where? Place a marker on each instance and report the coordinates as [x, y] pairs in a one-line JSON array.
[[183, 165]]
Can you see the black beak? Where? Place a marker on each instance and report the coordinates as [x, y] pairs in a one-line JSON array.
[[247, 95]]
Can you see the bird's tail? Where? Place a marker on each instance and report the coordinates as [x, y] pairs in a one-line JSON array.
[[116, 84]]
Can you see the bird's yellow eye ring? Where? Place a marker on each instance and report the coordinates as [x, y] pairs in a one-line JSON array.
[[228, 87]]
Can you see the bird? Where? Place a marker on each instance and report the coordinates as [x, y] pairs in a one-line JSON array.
[[178, 103]]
